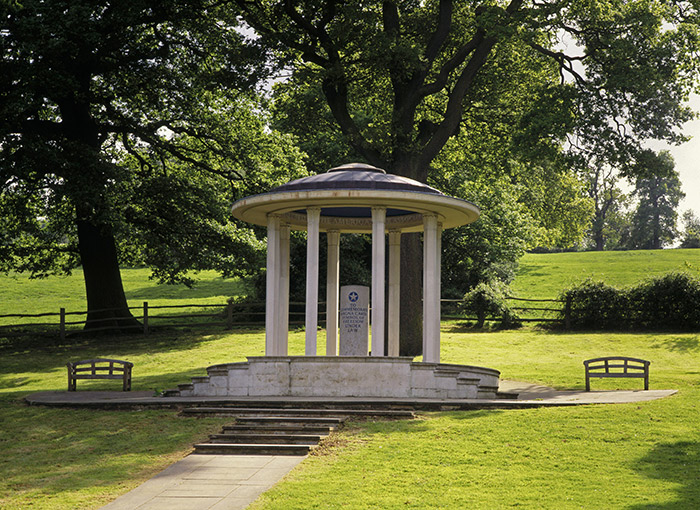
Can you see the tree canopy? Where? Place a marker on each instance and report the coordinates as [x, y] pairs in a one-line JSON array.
[[126, 129], [547, 83]]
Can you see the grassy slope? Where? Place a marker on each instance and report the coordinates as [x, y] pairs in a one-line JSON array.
[[20, 294], [545, 275]]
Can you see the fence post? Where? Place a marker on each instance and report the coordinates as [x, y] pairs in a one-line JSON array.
[[62, 325], [567, 313], [145, 317], [229, 316]]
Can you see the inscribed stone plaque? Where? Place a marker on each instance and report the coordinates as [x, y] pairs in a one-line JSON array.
[[354, 320]]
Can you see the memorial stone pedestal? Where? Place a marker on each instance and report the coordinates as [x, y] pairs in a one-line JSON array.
[[354, 320]]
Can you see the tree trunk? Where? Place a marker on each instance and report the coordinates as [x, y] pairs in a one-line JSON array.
[[106, 302], [411, 315]]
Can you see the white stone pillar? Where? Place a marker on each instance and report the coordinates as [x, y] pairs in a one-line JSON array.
[[332, 289], [272, 285], [394, 291], [431, 290], [378, 271], [283, 294], [313, 218]]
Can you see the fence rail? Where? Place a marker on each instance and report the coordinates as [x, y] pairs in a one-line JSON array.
[[228, 315]]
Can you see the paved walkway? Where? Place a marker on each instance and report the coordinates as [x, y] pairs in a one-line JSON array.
[[229, 482], [208, 482]]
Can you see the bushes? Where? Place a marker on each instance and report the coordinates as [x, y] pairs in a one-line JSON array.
[[671, 301], [489, 300]]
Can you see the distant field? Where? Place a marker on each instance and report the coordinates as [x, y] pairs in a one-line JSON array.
[[545, 275], [20, 294]]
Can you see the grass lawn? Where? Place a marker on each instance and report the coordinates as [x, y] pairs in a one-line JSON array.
[[607, 456], [20, 294], [545, 275], [626, 456]]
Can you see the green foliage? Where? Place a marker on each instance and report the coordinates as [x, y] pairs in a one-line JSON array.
[[595, 306], [654, 220], [132, 124], [667, 302], [489, 300], [691, 230]]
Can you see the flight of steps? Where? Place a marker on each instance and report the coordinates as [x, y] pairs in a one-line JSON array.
[[278, 431]]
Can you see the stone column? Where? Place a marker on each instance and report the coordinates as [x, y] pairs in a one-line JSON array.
[[313, 218], [431, 290], [272, 285], [332, 289], [283, 294], [394, 290], [378, 271]]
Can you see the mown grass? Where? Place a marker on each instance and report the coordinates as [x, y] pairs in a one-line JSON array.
[[628, 456], [20, 294], [639, 456], [545, 275], [625, 456], [57, 458]]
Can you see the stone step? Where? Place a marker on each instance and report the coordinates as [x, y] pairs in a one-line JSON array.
[[269, 411], [289, 420], [307, 439], [251, 449], [278, 429]]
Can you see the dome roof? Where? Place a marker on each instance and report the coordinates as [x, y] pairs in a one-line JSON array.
[[346, 196], [356, 176]]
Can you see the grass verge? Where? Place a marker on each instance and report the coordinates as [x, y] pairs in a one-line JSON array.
[[631, 456]]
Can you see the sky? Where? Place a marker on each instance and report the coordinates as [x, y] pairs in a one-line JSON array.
[[687, 158]]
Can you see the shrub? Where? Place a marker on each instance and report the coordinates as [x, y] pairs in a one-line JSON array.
[[671, 301], [489, 299], [595, 305]]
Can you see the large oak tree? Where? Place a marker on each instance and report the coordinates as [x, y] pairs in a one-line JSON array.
[[424, 69], [123, 136]]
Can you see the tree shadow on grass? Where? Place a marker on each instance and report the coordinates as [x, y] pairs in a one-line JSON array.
[[679, 463], [53, 453], [680, 344]]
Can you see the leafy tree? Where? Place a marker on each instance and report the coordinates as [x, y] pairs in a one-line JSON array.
[[691, 230], [122, 137], [654, 220], [609, 216], [401, 78]]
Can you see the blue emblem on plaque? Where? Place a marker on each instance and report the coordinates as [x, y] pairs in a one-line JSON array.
[[353, 296]]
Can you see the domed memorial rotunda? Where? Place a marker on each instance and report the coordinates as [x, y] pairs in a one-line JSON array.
[[353, 198]]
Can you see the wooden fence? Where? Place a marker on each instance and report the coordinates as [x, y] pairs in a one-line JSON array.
[[229, 315]]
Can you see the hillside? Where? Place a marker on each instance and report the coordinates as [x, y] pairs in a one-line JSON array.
[[545, 275]]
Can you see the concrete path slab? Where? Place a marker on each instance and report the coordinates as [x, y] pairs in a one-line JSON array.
[[536, 393], [208, 482]]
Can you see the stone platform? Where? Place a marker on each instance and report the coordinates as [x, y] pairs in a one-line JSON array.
[[342, 376]]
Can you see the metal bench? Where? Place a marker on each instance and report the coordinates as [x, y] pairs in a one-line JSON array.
[[100, 368], [617, 367]]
